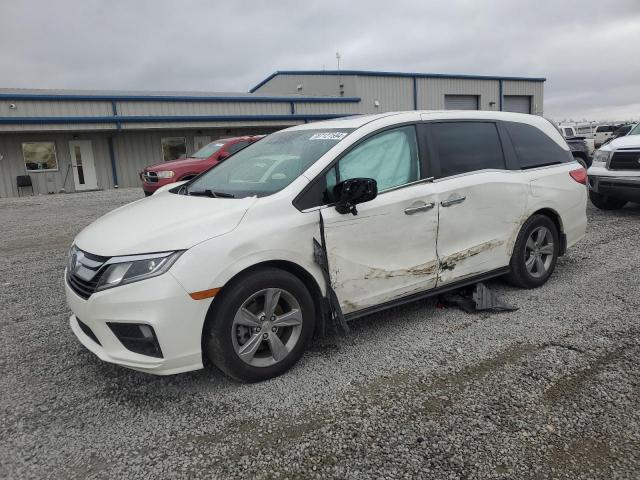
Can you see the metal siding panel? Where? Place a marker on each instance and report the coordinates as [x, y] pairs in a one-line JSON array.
[[52, 108], [325, 85], [201, 108], [393, 93], [326, 108]]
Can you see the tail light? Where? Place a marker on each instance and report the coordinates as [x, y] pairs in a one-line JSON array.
[[579, 175]]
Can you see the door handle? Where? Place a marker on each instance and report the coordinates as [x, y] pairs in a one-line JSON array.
[[453, 200], [419, 208]]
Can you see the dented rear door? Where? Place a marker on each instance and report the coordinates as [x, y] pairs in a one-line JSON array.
[[477, 234], [481, 203]]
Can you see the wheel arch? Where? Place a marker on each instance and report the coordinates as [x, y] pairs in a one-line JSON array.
[[555, 217], [293, 268]]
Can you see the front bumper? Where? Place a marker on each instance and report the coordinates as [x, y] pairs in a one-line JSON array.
[[618, 184], [160, 302]]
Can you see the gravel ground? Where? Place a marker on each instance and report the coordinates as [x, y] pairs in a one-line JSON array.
[[550, 391]]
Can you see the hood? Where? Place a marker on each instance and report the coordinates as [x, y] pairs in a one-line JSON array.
[[180, 163], [628, 141], [162, 222]]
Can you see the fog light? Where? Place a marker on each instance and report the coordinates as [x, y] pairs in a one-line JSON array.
[[137, 337]]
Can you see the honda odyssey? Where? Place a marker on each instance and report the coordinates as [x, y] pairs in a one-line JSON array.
[[317, 223]]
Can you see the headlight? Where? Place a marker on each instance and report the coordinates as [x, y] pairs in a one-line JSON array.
[[601, 156], [165, 174], [71, 260], [133, 268]]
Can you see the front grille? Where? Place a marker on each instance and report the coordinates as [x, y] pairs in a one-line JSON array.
[[87, 331], [84, 275], [625, 160], [150, 177]]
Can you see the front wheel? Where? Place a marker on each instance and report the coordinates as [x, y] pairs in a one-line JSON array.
[[535, 253], [604, 202], [260, 325]]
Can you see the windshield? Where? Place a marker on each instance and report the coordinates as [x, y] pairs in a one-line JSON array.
[[208, 150], [269, 165], [635, 130]]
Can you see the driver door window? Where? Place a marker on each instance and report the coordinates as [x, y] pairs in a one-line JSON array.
[[390, 157]]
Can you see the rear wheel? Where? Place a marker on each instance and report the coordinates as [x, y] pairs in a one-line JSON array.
[[535, 253], [581, 160], [260, 325], [604, 202]]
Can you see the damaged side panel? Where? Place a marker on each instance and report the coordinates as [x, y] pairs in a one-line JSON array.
[[476, 235], [382, 253]]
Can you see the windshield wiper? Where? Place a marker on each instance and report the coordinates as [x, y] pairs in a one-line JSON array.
[[210, 193]]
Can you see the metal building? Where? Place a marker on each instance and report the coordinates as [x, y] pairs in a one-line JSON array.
[[82, 140]]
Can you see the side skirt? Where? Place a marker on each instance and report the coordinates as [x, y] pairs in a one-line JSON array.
[[427, 293]]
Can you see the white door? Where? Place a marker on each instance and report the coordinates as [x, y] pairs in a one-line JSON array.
[[83, 165], [481, 203], [200, 141], [387, 250]]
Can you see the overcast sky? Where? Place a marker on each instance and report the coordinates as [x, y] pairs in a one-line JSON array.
[[589, 51]]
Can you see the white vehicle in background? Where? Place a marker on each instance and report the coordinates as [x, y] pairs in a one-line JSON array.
[[614, 176], [241, 264], [602, 133]]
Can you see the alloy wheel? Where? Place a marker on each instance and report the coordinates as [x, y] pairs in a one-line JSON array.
[[539, 252], [267, 327]]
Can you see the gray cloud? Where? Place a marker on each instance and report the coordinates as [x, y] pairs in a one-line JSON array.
[[586, 50]]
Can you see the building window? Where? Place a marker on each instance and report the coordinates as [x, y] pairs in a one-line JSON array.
[[39, 156], [173, 148]]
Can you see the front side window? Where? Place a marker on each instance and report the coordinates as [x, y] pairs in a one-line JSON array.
[[390, 157], [268, 166], [533, 147], [39, 156], [208, 150], [173, 148], [464, 147]]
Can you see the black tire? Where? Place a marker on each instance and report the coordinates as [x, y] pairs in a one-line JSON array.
[[147, 194], [218, 340], [519, 275], [582, 161], [604, 202]]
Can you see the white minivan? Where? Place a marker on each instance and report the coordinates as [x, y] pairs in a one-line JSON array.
[[331, 220]]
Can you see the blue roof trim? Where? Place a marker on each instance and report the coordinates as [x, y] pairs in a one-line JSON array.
[[169, 118], [369, 73], [175, 98], [266, 80]]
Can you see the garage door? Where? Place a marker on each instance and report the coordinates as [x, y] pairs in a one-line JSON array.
[[461, 102], [517, 103]]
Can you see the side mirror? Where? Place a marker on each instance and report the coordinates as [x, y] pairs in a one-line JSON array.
[[351, 192], [223, 156]]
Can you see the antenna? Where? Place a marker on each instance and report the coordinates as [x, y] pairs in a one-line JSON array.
[[340, 84]]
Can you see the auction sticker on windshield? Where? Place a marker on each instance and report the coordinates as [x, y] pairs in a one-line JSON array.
[[328, 136]]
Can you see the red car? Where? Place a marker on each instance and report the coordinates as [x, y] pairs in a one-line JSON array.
[[156, 176]]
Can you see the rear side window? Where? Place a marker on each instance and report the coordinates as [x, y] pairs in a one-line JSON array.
[[463, 147], [534, 148]]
